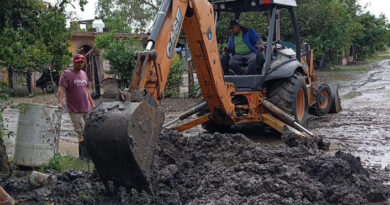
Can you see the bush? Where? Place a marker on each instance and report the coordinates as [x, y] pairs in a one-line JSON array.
[[195, 89], [120, 53], [172, 89]]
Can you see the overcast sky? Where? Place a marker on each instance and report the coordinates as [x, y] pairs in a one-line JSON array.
[[377, 6], [89, 9], [374, 6]]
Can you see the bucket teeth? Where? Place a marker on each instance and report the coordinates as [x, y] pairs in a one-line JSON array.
[[121, 139]]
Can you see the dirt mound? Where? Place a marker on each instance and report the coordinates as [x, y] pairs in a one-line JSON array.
[[230, 169], [223, 169]]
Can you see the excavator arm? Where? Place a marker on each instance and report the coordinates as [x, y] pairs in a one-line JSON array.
[[121, 136], [196, 17]]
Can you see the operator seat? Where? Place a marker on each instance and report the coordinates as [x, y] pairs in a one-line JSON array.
[[227, 71], [243, 82]]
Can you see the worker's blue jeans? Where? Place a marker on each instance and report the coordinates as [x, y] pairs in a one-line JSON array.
[[237, 62]]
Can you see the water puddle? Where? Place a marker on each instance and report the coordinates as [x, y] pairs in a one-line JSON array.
[[352, 94]]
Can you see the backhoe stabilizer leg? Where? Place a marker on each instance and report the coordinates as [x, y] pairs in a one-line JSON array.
[[121, 138], [291, 136], [193, 123]]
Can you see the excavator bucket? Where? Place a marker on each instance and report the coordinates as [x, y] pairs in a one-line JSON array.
[[120, 138], [335, 99]]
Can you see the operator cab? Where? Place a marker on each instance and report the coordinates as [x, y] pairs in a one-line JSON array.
[[277, 53]]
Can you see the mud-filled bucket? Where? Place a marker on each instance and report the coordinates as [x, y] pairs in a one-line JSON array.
[[37, 136]]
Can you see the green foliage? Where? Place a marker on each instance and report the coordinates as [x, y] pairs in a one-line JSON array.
[[328, 28], [117, 23], [61, 163], [195, 89], [255, 20], [33, 36], [120, 53], [172, 89], [373, 36], [127, 16]]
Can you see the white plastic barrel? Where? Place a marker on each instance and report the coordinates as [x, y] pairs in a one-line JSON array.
[[37, 135]]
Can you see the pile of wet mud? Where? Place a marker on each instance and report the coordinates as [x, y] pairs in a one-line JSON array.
[[224, 169]]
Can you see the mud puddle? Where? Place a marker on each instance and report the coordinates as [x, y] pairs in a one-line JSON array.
[[363, 127], [223, 169]]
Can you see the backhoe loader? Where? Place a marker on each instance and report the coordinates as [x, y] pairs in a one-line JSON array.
[[121, 136]]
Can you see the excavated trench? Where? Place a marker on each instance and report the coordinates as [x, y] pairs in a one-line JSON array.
[[223, 169]]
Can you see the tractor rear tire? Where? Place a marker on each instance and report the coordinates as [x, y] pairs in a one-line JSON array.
[[291, 96], [322, 105]]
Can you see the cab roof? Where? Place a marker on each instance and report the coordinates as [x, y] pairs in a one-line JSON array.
[[239, 6]]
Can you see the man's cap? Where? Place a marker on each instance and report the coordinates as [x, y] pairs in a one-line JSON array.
[[78, 58], [233, 23]]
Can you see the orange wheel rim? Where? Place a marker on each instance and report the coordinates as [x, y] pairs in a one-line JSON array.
[[301, 104], [324, 99]]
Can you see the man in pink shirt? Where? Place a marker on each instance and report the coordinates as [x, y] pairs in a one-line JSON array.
[[74, 86]]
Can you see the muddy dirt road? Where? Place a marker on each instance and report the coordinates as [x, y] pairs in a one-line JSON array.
[[363, 127]]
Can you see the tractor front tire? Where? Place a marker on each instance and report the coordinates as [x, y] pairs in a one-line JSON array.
[[322, 105], [290, 95]]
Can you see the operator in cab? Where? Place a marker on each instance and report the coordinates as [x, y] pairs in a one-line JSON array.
[[244, 45]]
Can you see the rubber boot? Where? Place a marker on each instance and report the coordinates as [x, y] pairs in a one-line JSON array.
[[83, 155]]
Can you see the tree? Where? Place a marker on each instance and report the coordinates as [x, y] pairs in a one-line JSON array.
[[328, 25], [33, 35], [374, 35], [120, 53], [125, 16]]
